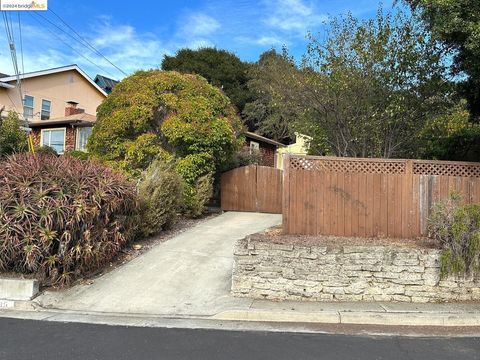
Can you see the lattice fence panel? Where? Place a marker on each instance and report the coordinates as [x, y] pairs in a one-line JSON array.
[[432, 168], [348, 166]]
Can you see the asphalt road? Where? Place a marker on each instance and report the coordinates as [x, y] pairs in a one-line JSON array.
[[27, 339]]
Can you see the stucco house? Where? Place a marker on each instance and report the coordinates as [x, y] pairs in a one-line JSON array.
[[58, 104], [299, 147]]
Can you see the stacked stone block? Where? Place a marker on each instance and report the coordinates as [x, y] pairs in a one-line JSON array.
[[347, 273]]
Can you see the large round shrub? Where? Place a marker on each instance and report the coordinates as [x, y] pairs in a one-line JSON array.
[[62, 217], [164, 110], [163, 115]]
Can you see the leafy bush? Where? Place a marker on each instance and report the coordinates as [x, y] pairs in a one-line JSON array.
[[196, 195], [154, 111], [452, 136], [78, 154], [160, 194], [45, 150], [244, 157], [62, 217], [12, 138], [457, 228], [197, 171], [167, 115]]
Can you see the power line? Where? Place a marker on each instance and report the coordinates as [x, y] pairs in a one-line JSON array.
[[21, 40], [68, 45], [13, 51], [86, 42]]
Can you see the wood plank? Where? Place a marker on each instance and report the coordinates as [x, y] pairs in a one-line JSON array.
[[407, 186], [398, 205], [362, 204], [414, 215], [354, 204], [328, 205], [340, 194], [369, 213], [383, 231], [391, 211], [377, 211], [347, 185], [320, 202], [444, 191]]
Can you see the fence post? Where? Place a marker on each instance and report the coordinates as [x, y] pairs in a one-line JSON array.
[[286, 193]]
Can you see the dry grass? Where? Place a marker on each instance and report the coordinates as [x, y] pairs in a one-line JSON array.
[[275, 235]]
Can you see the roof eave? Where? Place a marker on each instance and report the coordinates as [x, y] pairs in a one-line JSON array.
[[54, 71], [6, 85], [263, 138]]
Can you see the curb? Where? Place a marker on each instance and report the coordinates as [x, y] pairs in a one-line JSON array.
[[330, 317], [18, 305], [355, 318]]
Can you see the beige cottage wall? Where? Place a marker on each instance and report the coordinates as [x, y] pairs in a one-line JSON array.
[[58, 88]]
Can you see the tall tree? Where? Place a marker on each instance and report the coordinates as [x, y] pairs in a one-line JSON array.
[[268, 115], [220, 67], [457, 24], [368, 87]]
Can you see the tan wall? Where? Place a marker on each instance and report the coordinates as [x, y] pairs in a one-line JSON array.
[[58, 88]]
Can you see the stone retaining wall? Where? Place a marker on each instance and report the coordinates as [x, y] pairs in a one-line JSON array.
[[350, 273]]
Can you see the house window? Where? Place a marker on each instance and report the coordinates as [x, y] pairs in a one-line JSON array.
[[55, 138], [46, 106], [83, 134], [28, 107], [254, 147]]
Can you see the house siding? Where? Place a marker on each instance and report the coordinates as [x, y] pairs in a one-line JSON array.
[[57, 88]]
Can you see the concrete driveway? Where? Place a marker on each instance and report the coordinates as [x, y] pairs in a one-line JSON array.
[[189, 274]]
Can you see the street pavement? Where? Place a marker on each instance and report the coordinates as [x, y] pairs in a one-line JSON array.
[[29, 339]]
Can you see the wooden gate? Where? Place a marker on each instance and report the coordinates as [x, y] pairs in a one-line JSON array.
[[252, 188]]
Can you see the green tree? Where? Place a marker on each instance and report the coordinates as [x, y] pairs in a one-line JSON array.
[[457, 24], [169, 116], [269, 116], [367, 89], [451, 136], [220, 67], [12, 138]]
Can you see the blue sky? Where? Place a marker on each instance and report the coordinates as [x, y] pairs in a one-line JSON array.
[[136, 35]]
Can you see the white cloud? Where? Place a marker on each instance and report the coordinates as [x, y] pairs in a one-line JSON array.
[[199, 24], [121, 44], [294, 16], [262, 40], [127, 48]]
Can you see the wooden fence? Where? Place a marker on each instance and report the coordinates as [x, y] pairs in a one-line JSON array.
[[370, 197], [252, 188]]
